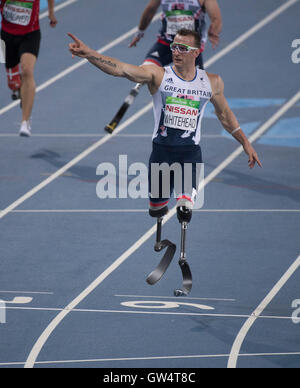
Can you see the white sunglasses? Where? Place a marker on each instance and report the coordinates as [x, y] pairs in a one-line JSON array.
[[181, 47]]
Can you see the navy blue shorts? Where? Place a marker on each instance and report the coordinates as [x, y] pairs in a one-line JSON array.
[[180, 173]]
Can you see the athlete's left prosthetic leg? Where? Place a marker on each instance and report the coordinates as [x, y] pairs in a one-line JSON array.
[[184, 215], [14, 81]]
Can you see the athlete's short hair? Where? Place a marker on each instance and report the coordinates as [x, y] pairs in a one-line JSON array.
[[185, 32]]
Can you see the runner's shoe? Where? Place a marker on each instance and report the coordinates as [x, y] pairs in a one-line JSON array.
[[25, 129]]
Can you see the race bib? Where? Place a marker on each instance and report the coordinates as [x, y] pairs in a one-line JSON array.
[[17, 12], [181, 114], [179, 19]]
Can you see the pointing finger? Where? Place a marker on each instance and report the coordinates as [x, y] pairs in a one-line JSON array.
[[76, 40]]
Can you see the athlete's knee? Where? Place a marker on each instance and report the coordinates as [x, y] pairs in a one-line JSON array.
[[158, 213], [27, 71], [184, 214], [27, 65], [184, 209]]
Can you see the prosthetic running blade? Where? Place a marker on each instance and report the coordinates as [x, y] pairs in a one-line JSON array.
[[187, 279], [159, 271], [123, 109]]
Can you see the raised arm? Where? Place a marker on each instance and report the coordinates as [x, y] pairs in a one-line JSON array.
[[215, 28], [151, 75], [228, 119], [145, 20]]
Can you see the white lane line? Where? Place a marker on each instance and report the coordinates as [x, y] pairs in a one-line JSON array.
[[56, 321], [133, 118], [212, 60], [172, 357], [175, 297], [74, 161], [145, 312], [132, 135], [272, 120], [255, 29], [27, 292], [75, 211], [154, 358], [252, 138], [42, 16], [232, 361], [77, 65], [47, 332], [145, 110], [17, 300], [58, 7]]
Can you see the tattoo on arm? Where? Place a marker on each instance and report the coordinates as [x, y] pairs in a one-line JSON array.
[[101, 60]]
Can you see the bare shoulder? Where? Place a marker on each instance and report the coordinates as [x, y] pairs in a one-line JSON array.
[[216, 82], [153, 68], [157, 74]]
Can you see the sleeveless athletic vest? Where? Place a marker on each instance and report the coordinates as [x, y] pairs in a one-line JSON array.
[[179, 107], [20, 17], [179, 14]]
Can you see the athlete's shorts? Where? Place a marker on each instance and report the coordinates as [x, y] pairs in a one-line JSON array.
[[160, 54], [17, 45], [173, 169]]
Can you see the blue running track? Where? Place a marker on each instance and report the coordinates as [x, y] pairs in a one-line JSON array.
[[73, 266]]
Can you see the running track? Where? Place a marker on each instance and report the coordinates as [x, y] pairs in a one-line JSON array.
[[74, 266]]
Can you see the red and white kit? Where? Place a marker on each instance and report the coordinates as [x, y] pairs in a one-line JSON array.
[[20, 17]]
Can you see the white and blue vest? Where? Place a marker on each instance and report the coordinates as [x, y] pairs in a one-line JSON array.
[[177, 14], [178, 107]]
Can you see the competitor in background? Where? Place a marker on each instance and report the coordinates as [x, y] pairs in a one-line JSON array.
[[21, 33], [177, 14], [180, 94]]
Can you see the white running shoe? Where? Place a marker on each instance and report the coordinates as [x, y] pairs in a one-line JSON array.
[[25, 129]]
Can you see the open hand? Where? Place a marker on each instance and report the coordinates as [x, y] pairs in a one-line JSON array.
[[253, 157]]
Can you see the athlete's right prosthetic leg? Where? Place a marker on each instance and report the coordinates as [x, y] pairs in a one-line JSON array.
[[14, 81], [159, 271], [184, 215]]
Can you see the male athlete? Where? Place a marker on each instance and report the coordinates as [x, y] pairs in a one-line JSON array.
[[21, 34], [177, 14], [180, 94]]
